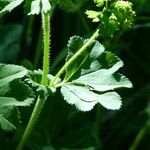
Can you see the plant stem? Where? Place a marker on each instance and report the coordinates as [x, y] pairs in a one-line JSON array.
[[139, 136], [39, 45], [40, 102], [97, 124], [72, 59], [34, 117], [46, 34]]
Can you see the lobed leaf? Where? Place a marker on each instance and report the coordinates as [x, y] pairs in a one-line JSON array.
[[74, 44], [92, 15], [85, 99], [10, 99], [11, 72], [94, 78]]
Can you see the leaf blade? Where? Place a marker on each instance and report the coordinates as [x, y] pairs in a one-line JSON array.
[[85, 100], [11, 72], [11, 6], [6, 125]]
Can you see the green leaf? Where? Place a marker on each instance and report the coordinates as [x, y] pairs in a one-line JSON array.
[[11, 5], [7, 104], [85, 99], [101, 75], [9, 101], [34, 81], [6, 125], [74, 44], [105, 79], [92, 15], [98, 78], [10, 42], [27, 6], [100, 3], [10, 72]]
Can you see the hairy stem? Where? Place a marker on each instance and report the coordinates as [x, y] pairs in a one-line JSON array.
[[72, 59], [39, 45], [46, 41], [34, 117], [40, 102]]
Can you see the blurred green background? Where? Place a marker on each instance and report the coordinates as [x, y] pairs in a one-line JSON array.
[[61, 126]]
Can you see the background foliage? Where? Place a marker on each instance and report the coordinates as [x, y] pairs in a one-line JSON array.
[[61, 126]]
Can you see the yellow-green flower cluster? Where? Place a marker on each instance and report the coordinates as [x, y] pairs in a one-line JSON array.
[[100, 3], [115, 16]]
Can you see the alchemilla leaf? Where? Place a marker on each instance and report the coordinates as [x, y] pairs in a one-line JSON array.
[[13, 4], [93, 15], [11, 72], [5, 124], [105, 79], [74, 44], [98, 78], [85, 99], [33, 79], [10, 100], [7, 104]]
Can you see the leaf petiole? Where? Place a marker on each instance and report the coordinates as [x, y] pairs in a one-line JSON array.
[[71, 60], [40, 102]]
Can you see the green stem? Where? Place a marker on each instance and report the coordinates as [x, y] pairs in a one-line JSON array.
[[72, 59], [46, 34], [40, 102], [106, 3], [139, 136], [39, 45], [34, 117], [97, 124]]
